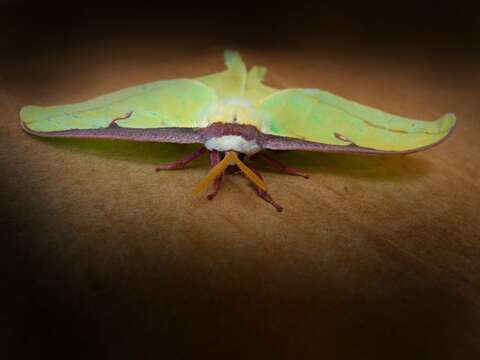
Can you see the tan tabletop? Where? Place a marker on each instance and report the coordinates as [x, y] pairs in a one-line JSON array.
[[373, 257]]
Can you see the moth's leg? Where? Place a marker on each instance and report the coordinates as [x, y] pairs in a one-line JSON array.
[[265, 195], [214, 160], [179, 164], [279, 165]]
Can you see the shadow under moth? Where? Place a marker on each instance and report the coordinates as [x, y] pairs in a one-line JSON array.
[[235, 117]]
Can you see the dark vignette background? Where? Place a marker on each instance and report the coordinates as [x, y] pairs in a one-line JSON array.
[[112, 298]]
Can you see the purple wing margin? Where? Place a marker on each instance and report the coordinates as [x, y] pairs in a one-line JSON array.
[[168, 135], [273, 142]]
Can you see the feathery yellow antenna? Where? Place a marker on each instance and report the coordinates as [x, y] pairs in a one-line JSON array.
[[249, 173], [213, 173], [222, 165]]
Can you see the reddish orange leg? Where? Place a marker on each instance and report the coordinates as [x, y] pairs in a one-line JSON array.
[[279, 165], [214, 160], [179, 164], [265, 195]]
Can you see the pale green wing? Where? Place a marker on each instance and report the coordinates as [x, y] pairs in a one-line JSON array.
[[255, 90], [230, 82], [235, 81], [320, 117], [163, 104]]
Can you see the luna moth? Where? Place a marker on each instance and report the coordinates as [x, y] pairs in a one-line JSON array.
[[235, 116]]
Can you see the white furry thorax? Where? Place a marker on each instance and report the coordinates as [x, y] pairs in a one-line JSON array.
[[232, 142]]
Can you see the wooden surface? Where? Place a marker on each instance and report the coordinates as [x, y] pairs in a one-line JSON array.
[[373, 257]]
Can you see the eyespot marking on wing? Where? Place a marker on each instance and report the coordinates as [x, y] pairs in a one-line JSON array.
[[342, 138], [121, 117]]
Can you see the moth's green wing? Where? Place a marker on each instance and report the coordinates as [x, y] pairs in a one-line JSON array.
[[321, 117], [230, 82], [255, 89], [171, 103], [236, 81], [182, 103]]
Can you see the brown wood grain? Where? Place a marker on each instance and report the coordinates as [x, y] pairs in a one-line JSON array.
[[373, 257]]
